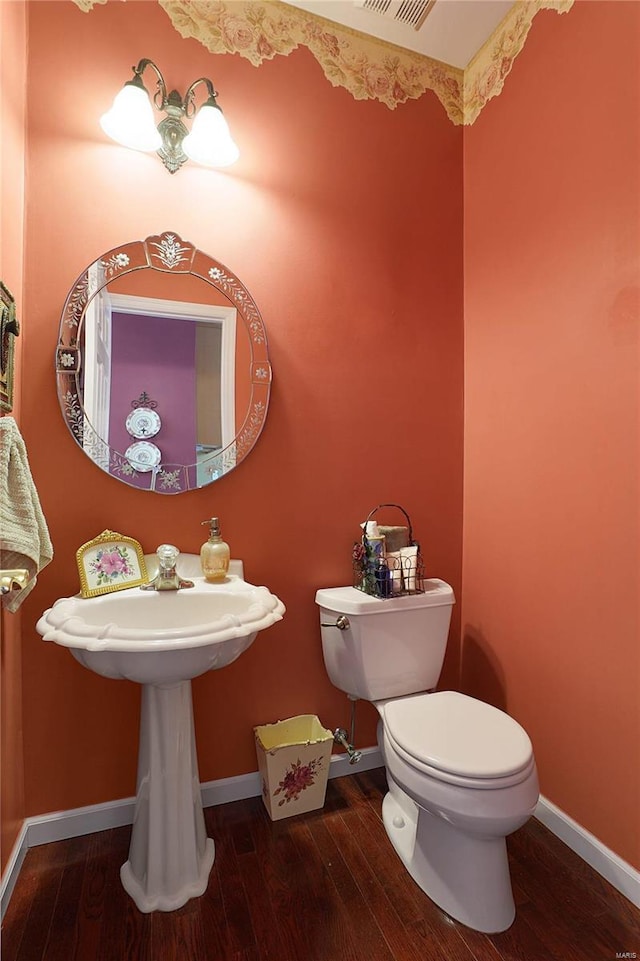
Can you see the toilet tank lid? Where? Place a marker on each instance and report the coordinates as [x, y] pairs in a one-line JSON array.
[[349, 600], [458, 734]]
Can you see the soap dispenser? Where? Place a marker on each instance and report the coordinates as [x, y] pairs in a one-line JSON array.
[[214, 553]]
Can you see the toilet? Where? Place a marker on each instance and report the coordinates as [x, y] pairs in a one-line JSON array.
[[461, 774]]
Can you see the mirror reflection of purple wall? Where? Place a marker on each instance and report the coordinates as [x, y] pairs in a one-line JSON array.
[[156, 355]]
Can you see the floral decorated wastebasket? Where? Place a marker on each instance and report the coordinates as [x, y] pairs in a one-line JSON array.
[[293, 761]]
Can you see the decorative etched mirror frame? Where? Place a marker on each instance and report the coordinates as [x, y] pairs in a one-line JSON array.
[[167, 253]]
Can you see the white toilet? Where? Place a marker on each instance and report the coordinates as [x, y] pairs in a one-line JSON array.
[[461, 773]]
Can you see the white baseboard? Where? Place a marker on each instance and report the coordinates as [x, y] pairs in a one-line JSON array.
[[250, 785], [602, 859], [60, 825], [12, 869]]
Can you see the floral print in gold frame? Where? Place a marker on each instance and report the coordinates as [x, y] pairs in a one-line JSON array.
[[110, 562]]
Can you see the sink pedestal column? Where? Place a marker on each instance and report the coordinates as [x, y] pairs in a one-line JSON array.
[[170, 856]]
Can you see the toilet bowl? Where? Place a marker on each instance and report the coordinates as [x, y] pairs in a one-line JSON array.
[[450, 805], [461, 773]]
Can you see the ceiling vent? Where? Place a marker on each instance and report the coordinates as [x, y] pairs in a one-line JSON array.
[[413, 13]]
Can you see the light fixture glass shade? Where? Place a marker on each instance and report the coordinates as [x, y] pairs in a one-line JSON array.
[[130, 120], [210, 142]]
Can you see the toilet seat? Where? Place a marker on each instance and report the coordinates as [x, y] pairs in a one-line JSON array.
[[455, 738]]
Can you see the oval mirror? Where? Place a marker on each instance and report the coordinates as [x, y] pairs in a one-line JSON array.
[[162, 366]]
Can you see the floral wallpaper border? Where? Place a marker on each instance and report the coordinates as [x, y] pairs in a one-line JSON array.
[[370, 69], [484, 76]]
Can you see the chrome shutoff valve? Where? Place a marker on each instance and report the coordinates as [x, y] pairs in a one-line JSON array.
[[340, 737]]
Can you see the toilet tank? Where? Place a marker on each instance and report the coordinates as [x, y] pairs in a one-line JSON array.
[[392, 646]]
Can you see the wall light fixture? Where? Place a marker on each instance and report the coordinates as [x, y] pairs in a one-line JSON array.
[[131, 122]]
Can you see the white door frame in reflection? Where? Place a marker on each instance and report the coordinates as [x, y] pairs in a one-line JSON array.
[[215, 314]]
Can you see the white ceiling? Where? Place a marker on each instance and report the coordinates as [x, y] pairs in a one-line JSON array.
[[453, 30]]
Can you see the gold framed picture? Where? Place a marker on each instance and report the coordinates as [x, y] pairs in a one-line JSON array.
[[9, 330], [110, 562]]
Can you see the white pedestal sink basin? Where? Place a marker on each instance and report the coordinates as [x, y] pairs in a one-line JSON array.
[[162, 639]]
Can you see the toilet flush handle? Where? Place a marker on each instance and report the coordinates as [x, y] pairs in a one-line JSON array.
[[341, 622]]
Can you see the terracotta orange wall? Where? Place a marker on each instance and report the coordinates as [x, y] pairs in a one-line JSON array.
[[13, 64], [552, 235], [344, 220]]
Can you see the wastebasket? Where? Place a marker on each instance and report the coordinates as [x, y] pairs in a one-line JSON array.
[[293, 761]]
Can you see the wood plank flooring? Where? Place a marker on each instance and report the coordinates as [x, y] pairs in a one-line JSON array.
[[325, 886]]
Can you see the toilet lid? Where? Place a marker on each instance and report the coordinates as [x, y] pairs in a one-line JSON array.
[[458, 734]]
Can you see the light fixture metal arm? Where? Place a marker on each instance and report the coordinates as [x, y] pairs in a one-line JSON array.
[[160, 96], [189, 98]]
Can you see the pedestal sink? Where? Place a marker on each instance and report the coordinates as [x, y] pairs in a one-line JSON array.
[[161, 640]]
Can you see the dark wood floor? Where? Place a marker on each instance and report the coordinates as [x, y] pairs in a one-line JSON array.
[[325, 886]]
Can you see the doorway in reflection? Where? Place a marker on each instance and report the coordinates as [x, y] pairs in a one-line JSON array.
[[180, 355]]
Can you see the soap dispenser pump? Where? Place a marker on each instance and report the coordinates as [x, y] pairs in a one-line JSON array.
[[214, 553]]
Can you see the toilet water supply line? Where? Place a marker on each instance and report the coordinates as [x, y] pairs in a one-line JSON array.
[[340, 735]]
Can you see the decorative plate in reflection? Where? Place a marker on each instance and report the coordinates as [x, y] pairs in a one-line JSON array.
[[143, 422], [143, 456]]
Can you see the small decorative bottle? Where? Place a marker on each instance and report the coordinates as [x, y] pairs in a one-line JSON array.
[[214, 553]]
